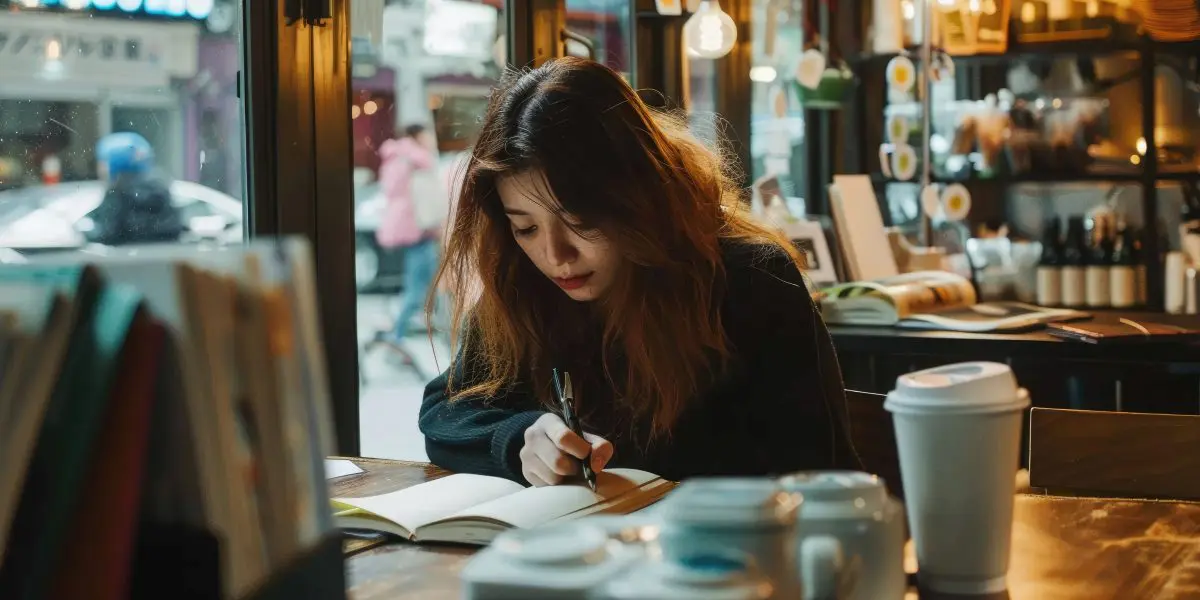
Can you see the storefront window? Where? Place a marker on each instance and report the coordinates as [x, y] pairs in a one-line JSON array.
[[776, 115], [423, 70], [702, 100], [607, 25], [107, 101]]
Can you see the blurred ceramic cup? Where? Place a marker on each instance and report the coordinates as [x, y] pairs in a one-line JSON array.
[[855, 508], [958, 432], [756, 517]]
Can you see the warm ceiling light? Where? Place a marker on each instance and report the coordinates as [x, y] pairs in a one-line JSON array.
[[762, 74], [710, 33]]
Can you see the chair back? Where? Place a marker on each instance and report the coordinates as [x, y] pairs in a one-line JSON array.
[[874, 438], [1115, 453]]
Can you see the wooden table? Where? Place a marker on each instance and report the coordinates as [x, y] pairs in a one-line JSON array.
[[1063, 548]]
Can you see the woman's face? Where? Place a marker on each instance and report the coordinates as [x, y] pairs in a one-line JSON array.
[[583, 267]]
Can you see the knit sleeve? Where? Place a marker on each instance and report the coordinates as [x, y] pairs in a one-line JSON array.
[[475, 434]]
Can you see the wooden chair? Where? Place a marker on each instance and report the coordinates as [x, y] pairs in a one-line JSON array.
[[873, 437], [1115, 453]]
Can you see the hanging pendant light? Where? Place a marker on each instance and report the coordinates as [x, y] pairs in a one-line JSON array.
[[709, 33]]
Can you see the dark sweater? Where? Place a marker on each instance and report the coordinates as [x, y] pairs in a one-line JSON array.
[[778, 407]]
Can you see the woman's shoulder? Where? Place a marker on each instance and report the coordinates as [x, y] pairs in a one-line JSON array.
[[763, 263], [763, 285]]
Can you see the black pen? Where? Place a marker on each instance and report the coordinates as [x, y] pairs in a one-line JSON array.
[[566, 398]]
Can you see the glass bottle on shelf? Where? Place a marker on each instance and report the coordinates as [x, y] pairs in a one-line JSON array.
[[1139, 270], [1122, 276], [1075, 251], [1049, 268], [1096, 275]]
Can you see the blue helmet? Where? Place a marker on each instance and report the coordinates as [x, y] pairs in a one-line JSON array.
[[125, 152]]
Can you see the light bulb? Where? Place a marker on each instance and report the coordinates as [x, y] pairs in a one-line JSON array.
[[1141, 146], [710, 33], [762, 74]]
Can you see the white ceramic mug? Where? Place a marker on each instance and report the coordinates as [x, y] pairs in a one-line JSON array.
[[757, 517], [855, 508]]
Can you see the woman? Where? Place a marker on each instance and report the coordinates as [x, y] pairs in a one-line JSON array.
[[409, 181], [606, 242]]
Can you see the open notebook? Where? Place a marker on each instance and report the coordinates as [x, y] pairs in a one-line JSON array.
[[474, 509]]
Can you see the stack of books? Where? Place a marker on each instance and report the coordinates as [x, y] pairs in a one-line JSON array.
[[163, 410]]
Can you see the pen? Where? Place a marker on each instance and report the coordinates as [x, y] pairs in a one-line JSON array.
[[566, 398]]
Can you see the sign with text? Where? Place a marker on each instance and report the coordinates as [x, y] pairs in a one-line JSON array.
[[107, 53]]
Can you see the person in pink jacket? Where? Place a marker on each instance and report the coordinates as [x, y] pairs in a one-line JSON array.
[[410, 158]]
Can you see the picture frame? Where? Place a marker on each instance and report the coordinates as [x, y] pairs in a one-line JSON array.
[[809, 238]]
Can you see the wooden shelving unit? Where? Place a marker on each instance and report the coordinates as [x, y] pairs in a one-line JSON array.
[[1148, 174]]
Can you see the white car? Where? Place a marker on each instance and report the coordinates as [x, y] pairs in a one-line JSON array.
[[46, 218]]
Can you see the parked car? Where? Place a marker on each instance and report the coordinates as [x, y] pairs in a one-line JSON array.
[[55, 217]]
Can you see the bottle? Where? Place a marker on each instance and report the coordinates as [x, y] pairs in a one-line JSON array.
[[1122, 275], [1049, 268], [1139, 269], [1075, 251], [1099, 263]]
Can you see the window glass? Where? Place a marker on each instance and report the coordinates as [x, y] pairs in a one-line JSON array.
[[776, 115], [104, 102], [702, 99], [607, 24], [417, 64]]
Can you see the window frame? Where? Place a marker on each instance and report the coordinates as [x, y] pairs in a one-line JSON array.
[[294, 77]]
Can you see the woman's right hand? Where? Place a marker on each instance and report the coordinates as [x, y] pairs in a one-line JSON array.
[[552, 451]]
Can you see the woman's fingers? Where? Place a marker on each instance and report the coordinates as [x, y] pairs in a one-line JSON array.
[[563, 438], [555, 460], [602, 451], [552, 451], [535, 469], [532, 478]]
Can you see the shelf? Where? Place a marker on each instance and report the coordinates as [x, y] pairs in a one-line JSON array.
[[1179, 175], [1052, 178], [1081, 48]]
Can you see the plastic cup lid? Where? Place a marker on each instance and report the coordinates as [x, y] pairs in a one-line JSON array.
[[970, 387], [837, 486], [732, 501]]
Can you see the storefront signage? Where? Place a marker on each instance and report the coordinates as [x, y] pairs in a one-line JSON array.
[[195, 9], [84, 50]]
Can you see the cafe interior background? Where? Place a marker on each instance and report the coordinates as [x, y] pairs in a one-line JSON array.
[[1016, 125]]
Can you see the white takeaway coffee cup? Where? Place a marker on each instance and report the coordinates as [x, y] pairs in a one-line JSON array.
[[958, 433]]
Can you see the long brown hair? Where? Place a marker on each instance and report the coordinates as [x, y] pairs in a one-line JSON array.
[[663, 199]]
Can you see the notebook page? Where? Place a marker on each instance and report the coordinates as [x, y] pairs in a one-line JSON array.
[[536, 505], [415, 506]]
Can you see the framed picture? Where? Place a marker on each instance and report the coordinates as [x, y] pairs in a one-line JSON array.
[[809, 238]]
